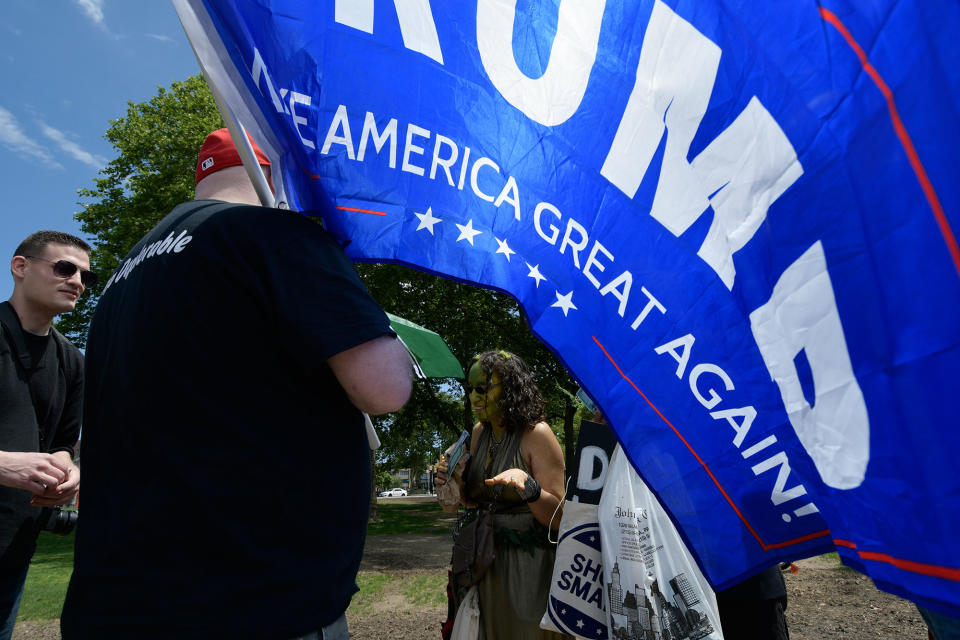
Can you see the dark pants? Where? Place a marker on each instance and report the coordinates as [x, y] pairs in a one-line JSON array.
[[336, 630], [942, 626], [753, 620], [11, 589]]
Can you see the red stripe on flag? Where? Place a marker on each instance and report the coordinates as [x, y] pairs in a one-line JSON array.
[[904, 137], [723, 492], [371, 212], [924, 568]]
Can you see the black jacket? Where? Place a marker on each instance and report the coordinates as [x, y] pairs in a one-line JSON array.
[[59, 373]]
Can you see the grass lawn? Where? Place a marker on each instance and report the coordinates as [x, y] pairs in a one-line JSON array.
[[417, 517], [419, 591], [426, 590], [48, 578]]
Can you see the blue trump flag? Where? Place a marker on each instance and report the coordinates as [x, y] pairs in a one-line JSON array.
[[733, 221]]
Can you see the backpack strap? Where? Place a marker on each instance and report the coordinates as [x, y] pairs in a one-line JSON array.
[[14, 331]]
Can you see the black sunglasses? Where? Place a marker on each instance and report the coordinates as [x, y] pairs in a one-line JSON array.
[[65, 269], [481, 390]]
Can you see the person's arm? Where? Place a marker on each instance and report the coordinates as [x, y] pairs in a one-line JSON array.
[[375, 374], [544, 457]]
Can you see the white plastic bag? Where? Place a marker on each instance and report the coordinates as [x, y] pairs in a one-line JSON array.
[[653, 586], [575, 605], [466, 626]]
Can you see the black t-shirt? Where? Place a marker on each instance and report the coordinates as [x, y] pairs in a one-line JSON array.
[[226, 475], [43, 380]]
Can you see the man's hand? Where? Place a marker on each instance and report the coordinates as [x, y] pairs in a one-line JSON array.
[[63, 492], [33, 472]]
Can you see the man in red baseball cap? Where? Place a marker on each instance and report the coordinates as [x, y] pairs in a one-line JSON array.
[[218, 152], [228, 361]]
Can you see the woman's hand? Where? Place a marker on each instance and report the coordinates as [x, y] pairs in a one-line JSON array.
[[516, 478], [440, 473]]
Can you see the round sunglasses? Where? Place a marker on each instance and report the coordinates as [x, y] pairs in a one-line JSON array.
[[65, 269], [479, 389]]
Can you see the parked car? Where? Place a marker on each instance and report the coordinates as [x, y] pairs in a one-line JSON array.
[[393, 493]]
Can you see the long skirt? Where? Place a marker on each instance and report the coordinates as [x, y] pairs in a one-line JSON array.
[[513, 593]]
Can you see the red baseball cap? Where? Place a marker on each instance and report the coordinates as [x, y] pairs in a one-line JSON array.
[[219, 153]]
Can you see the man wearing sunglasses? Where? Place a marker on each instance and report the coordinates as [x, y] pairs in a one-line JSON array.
[[226, 465], [41, 400]]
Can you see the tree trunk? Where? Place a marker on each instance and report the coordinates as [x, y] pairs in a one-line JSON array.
[[415, 473], [374, 512], [569, 438], [468, 419], [449, 424]]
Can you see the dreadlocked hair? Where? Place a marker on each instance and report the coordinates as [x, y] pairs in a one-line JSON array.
[[521, 402]]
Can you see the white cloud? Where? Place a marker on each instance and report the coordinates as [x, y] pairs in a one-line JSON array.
[[14, 138], [93, 9], [161, 38], [72, 148]]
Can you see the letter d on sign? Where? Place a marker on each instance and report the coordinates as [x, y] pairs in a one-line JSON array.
[[586, 481]]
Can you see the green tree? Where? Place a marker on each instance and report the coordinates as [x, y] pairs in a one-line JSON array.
[[471, 320], [412, 437], [157, 144], [383, 480]]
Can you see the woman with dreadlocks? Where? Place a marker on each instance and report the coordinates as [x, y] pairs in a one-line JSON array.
[[516, 470]]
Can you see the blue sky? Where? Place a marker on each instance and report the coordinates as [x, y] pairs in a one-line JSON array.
[[68, 67]]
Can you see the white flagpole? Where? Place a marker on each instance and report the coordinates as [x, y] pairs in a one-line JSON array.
[[237, 132], [244, 148]]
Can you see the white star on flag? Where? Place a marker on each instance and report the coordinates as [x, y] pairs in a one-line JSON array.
[[427, 220], [467, 232], [535, 273], [504, 248], [579, 624], [564, 302]]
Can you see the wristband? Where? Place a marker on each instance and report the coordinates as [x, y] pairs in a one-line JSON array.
[[531, 490]]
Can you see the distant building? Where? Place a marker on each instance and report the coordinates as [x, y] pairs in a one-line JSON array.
[[411, 481]]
